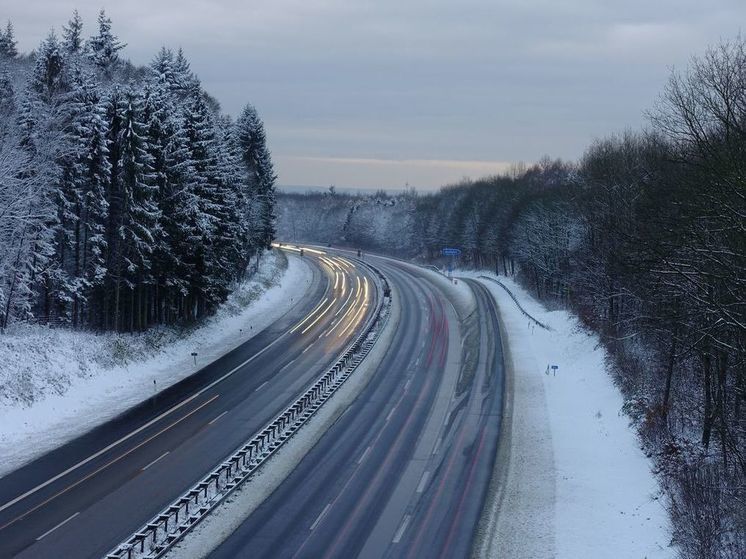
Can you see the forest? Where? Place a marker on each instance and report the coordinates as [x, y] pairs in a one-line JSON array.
[[127, 198], [644, 238]]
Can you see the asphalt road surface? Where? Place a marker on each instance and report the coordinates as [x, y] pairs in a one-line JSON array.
[[84, 498], [404, 471]]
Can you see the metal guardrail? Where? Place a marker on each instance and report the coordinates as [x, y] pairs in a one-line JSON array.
[[515, 300], [164, 530]]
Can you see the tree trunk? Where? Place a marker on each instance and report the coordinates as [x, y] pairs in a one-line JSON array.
[[707, 380], [669, 376]]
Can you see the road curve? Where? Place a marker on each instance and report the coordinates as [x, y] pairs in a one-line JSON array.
[[82, 499], [405, 471]]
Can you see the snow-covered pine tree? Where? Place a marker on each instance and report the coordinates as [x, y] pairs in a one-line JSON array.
[[14, 193], [138, 225], [86, 208], [213, 268], [235, 232], [261, 176], [35, 264], [72, 34], [162, 66], [113, 118], [50, 78], [51, 174], [8, 43], [94, 208], [173, 261], [133, 215], [120, 206], [7, 101], [186, 82], [103, 48]]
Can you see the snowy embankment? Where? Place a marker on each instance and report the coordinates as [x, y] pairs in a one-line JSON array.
[[572, 480], [56, 384]]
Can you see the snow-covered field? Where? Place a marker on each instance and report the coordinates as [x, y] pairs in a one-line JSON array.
[[578, 484], [56, 384]]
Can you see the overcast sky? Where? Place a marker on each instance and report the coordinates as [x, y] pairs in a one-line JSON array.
[[381, 93]]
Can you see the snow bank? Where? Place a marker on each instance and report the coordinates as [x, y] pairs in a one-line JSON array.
[[577, 483], [56, 384]]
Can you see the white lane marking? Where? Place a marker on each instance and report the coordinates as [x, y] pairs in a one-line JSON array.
[[406, 386], [287, 365], [390, 414], [218, 417], [400, 531], [58, 525], [166, 453], [362, 457], [437, 446], [320, 516], [423, 482], [307, 348], [258, 388]]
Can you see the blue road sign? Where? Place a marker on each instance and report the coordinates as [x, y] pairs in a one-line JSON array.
[[451, 252]]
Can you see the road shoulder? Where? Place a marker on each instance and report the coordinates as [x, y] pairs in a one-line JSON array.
[[577, 483], [518, 520]]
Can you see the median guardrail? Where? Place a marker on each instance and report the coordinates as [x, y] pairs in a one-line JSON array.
[[157, 536]]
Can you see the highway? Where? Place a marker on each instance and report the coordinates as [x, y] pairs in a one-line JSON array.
[[84, 498], [404, 472]]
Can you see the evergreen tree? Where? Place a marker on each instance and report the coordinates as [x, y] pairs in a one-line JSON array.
[[183, 75], [72, 34], [136, 219], [7, 100], [212, 257], [36, 264], [82, 200], [122, 206], [174, 267], [8, 48], [49, 77], [163, 68], [104, 47], [258, 164]]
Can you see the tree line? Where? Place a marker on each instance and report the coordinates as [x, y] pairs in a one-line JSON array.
[[644, 238], [127, 198]]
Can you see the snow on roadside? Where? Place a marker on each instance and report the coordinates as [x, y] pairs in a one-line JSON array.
[[606, 499], [56, 384]]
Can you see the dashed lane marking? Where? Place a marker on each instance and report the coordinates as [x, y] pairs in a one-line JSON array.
[[45, 534], [166, 453]]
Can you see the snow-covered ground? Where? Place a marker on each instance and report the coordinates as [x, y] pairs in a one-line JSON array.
[[56, 384], [577, 484]]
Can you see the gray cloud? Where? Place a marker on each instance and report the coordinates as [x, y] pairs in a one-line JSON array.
[[473, 80]]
